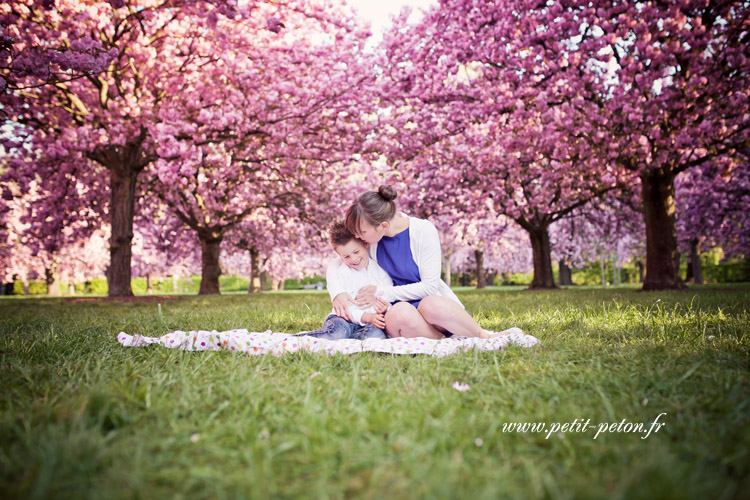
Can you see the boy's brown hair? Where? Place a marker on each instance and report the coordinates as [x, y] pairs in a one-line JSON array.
[[338, 234]]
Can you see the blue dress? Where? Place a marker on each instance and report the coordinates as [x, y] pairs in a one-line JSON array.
[[395, 257]]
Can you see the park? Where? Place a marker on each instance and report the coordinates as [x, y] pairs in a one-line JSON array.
[[175, 166]]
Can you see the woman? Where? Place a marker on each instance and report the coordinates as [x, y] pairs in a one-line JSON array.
[[408, 249]]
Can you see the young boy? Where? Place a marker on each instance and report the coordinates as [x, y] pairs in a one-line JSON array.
[[357, 271]]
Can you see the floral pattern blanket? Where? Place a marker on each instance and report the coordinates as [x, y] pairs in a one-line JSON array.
[[260, 343]]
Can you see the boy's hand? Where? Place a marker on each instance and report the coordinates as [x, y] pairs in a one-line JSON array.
[[341, 306], [377, 320], [381, 306], [366, 296]]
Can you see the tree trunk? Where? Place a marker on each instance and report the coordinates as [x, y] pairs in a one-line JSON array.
[[280, 284], [124, 163], [540, 246], [254, 286], [695, 260], [26, 290], [121, 211], [641, 271], [210, 270], [71, 289], [149, 284], [53, 282], [447, 272], [264, 281], [491, 278], [616, 270], [619, 271], [661, 235], [601, 265], [481, 277], [565, 275], [175, 283]]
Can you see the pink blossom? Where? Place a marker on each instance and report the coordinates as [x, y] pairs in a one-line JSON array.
[[460, 387]]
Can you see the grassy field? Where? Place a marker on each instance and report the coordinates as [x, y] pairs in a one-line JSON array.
[[83, 417]]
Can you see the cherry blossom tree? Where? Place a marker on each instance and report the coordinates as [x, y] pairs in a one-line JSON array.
[[287, 121], [713, 202], [459, 123], [162, 245], [676, 98], [233, 155], [95, 125], [156, 57], [270, 244], [609, 226], [496, 252], [70, 258], [654, 88], [34, 61], [18, 257], [38, 242], [672, 89], [484, 242]]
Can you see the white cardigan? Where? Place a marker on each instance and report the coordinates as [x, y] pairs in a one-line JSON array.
[[424, 242]]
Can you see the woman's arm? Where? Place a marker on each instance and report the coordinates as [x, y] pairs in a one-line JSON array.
[[378, 282]]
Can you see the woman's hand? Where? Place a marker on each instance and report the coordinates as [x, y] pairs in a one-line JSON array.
[[366, 296], [381, 306], [341, 306]]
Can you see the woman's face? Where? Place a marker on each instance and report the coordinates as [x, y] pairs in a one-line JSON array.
[[371, 234]]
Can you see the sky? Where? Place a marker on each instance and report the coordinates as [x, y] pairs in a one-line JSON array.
[[378, 11]]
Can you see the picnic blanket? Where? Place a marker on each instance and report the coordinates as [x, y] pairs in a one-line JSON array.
[[268, 342]]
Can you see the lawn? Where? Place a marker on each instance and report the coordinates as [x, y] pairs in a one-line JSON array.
[[83, 417]]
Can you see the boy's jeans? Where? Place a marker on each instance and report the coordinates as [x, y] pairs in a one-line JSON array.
[[336, 328]]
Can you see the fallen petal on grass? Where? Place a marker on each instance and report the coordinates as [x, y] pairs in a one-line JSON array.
[[461, 387]]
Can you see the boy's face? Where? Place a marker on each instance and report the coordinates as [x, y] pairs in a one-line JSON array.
[[354, 254], [371, 234]]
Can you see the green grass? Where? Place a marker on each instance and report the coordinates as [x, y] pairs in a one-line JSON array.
[[83, 417]]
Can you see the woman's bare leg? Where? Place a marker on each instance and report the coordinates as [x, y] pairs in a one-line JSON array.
[[403, 320], [448, 315]]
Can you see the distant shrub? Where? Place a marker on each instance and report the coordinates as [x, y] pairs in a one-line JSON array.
[[233, 283], [37, 287], [728, 272], [713, 272], [591, 274]]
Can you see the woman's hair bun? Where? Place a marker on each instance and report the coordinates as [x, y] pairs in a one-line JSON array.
[[387, 192]]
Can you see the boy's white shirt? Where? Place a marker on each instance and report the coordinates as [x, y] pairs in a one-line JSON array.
[[349, 280], [424, 242]]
